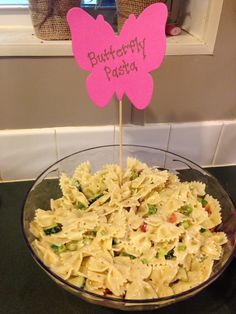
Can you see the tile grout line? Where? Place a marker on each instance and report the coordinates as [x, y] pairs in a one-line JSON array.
[[169, 135], [56, 145], [168, 143], [218, 143]]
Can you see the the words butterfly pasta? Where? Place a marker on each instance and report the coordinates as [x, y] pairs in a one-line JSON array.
[[119, 64]]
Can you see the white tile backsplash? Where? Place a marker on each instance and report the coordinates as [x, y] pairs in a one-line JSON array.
[[149, 135], [71, 140], [226, 151], [195, 141], [24, 154]]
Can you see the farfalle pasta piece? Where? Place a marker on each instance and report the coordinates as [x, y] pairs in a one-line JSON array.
[[134, 221], [99, 264], [181, 286], [164, 291], [82, 174], [140, 290], [94, 286], [73, 259], [130, 249], [211, 249], [118, 224], [47, 255], [197, 188], [142, 193], [133, 164], [139, 270], [115, 281], [166, 232], [170, 205], [124, 265], [199, 214], [44, 218], [193, 244], [71, 192], [88, 221], [155, 221], [213, 209], [96, 277], [35, 229], [164, 274], [219, 238], [200, 270], [63, 271], [140, 241], [157, 177], [57, 204]]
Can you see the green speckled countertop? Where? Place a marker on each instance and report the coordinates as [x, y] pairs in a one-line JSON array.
[[26, 289]]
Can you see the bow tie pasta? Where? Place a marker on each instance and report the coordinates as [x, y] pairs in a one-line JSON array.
[[145, 236]]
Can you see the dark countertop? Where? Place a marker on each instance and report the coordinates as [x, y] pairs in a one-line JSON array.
[[26, 289]]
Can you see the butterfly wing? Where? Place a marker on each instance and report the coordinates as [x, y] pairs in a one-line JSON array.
[[141, 90], [149, 26], [88, 36], [149, 30], [100, 90]]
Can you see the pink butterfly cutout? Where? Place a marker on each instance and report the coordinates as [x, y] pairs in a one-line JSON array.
[[122, 63]]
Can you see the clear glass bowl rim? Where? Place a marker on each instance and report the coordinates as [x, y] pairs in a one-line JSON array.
[[119, 300]]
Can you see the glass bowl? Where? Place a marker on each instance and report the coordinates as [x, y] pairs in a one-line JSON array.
[[46, 187]]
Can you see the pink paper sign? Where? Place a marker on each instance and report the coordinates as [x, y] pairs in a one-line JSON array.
[[122, 63]]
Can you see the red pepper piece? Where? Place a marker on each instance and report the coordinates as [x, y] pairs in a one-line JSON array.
[[172, 218], [143, 227]]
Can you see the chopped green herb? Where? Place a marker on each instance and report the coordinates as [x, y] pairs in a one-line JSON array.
[[182, 247], [94, 198], [58, 248], [186, 224], [152, 209], [144, 261], [170, 254], [128, 255], [161, 253], [202, 201], [53, 229], [80, 205], [186, 210], [202, 230], [134, 175]]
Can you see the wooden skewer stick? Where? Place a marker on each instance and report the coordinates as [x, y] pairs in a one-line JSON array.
[[121, 134]]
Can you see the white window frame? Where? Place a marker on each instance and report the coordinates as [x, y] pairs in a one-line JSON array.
[[17, 34]]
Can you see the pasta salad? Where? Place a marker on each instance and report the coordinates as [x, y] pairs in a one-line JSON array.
[[140, 234]]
